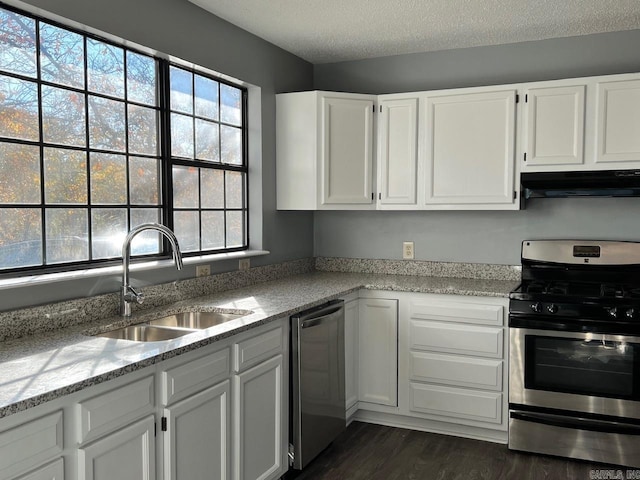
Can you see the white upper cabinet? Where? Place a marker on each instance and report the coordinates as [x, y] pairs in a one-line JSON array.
[[470, 150], [347, 151], [324, 150], [618, 114], [398, 152], [555, 125], [590, 123], [458, 149]]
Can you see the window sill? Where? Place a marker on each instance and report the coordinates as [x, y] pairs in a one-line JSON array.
[[117, 270]]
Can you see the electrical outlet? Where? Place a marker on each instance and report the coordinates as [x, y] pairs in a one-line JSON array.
[[203, 270], [244, 264], [407, 250]]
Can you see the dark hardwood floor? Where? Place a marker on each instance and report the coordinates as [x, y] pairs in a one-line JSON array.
[[374, 452]]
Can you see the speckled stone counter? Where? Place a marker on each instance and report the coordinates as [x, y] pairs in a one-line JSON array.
[[39, 368]]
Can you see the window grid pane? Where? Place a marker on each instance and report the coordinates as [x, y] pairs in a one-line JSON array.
[[81, 150], [18, 44]]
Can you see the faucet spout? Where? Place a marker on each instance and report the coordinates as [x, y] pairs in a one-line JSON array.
[[128, 294]]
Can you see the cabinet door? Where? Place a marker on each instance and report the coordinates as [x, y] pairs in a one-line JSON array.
[[470, 150], [346, 150], [378, 351], [127, 454], [258, 422], [351, 352], [618, 138], [198, 437], [555, 126], [398, 137]]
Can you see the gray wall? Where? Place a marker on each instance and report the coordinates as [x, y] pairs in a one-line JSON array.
[[600, 54], [477, 237], [180, 29], [483, 237]]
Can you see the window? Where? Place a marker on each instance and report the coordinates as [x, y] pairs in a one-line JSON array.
[[96, 138], [208, 168]]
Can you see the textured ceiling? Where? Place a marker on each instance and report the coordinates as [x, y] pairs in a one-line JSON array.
[[323, 31]]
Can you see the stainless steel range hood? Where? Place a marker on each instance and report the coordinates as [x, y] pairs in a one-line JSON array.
[[605, 183]]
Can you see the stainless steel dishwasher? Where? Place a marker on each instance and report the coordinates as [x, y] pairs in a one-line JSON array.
[[318, 413]]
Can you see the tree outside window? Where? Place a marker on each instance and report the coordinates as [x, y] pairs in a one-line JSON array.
[[82, 159]]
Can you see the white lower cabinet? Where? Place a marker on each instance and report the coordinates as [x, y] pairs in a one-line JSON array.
[[225, 412], [116, 430], [34, 446], [455, 347], [195, 423], [433, 363], [455, 370], [351, 322], [258, 422], [198, 438], [456, 404], [51, 471], [127, 454], [219, 412], [378, 351]]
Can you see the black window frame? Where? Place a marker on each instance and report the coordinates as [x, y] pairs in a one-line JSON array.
[[172, 161], [162, 108]]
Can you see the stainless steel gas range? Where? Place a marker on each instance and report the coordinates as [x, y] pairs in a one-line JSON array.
[[574, 337]]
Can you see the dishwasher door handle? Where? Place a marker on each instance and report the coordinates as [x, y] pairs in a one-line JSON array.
[[315, 321]]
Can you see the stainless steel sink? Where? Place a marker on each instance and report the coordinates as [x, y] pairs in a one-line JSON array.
[[172, 326], [144, 333], [195, 320]]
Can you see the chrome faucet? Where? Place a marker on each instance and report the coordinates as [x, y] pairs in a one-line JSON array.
[[129, 294]]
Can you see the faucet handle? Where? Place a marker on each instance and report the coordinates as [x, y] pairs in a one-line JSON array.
[[132, 295]]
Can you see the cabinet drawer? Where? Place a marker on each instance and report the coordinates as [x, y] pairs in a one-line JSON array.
[[453, 370], [254, 350], [111, 410], [452, 338], [30, 444], [460, 312], [52, 471], [192, 377], [456, 403]]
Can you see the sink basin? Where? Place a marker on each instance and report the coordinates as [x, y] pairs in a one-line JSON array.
[[195, 320], [172, 326], [144, 333]]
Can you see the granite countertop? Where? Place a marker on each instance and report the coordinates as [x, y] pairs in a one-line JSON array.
[[42, 367]]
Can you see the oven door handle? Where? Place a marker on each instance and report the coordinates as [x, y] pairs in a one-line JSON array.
[[577, 423]]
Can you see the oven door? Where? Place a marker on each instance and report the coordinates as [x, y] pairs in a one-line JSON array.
[[575, 371]]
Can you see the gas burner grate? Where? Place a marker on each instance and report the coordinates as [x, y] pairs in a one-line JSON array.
[[553, 288], [608, 290]]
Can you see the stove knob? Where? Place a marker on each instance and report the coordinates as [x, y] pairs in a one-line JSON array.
[[536, 307], [552, 308], [630, 313], [613, 312]]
